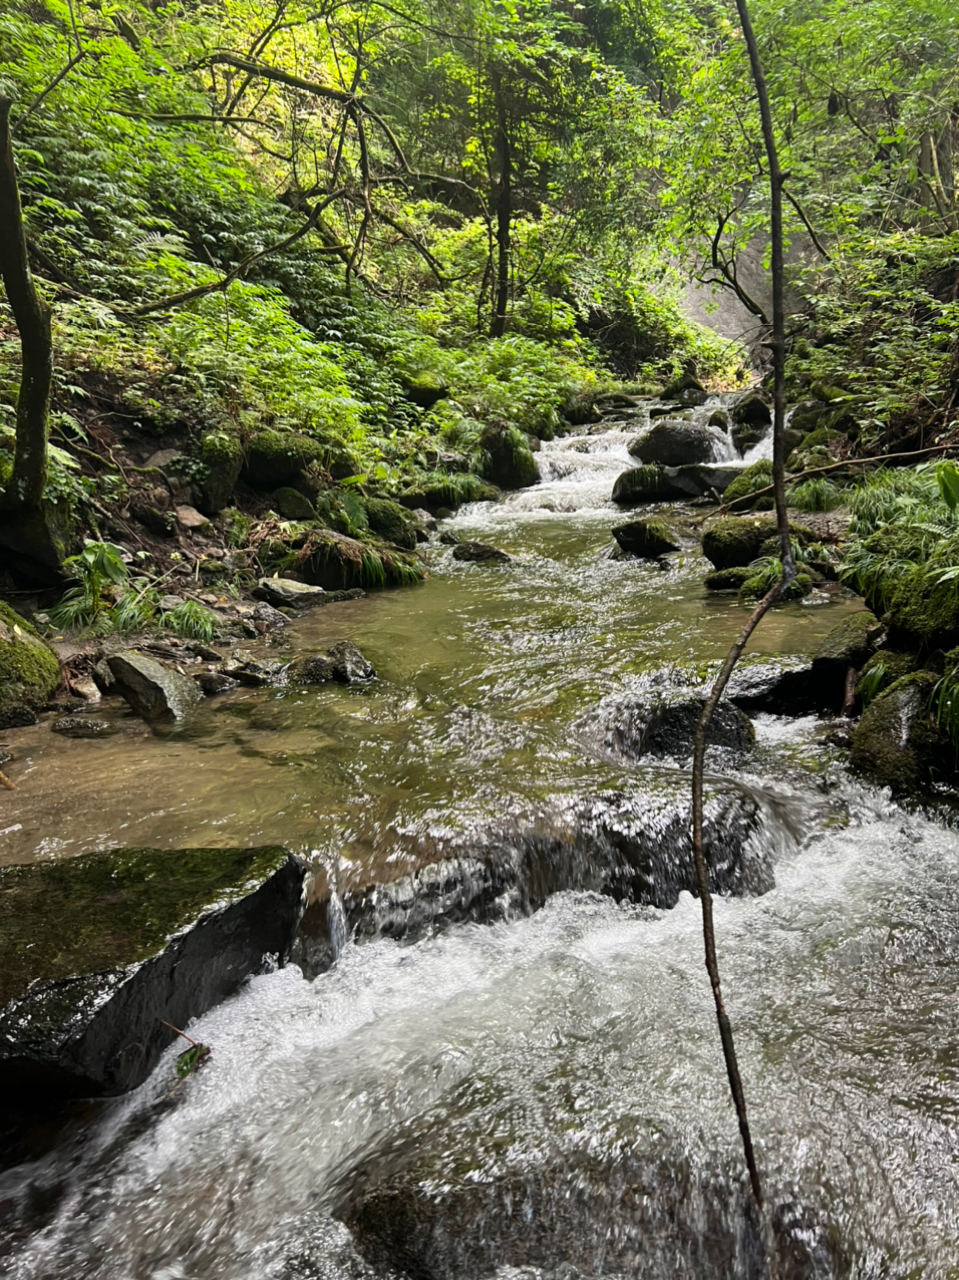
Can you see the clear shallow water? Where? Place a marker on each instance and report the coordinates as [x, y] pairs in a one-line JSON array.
[[482, 672], [549, 1090]]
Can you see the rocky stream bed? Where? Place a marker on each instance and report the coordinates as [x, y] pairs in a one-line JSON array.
[[493, 1051]]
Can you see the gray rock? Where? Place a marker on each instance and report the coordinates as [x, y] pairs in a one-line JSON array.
[[104, 676], [349, 665], [448, 538], [313, 669], [82, 727], [479, 553], [705, 478], [188, 517], [214, 682], [154, 691], [96, 952], [166, 604], [289, 593], [897, 743], [270, 617], [248, 669], [647, 484], [86, 688], [672, 443], [752, 410]]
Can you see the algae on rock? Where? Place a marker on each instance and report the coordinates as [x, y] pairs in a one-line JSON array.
[[29, 670]]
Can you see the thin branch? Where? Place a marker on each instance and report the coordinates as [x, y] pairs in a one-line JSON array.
[[806, 223]]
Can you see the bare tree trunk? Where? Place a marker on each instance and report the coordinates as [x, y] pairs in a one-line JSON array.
[[504, 214], [778, 345], [32, 315]]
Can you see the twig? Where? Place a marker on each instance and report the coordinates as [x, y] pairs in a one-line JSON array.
[[180, 1033], [10, 786]]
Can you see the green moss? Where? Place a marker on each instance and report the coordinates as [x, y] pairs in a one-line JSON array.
[[893, 666], [391, 521], [29, 670], [222, 456], [105, 911], [754, 588], [896, 743], [924, 611], [437, 489], [292, 505], [758, 476], [507, 460], [651, 537], [425, 388], [273, 458], [728, 579], [849, 643], [736, 540]]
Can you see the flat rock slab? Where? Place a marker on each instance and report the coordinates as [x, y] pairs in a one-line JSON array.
[[96, 950], [154, 691], [289, 594]]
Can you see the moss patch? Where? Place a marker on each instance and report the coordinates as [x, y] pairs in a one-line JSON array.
[[391, 521], [274, 458], [849, 643], [896, 744], [106, 911], [29, 670], [728, 579], [758, 476]]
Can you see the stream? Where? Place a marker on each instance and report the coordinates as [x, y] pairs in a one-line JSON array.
[[542, 1095]]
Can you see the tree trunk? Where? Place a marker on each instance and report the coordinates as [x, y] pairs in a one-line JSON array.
[[32, 315], [504, 213]]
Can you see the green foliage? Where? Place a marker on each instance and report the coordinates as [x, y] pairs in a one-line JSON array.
[[99, 571], [755, 477], [190, 620], [815, 495], [871, 683]]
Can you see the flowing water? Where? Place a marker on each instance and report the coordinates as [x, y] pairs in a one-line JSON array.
[[542, 1095]]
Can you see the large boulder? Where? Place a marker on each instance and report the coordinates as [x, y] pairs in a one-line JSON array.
[[275, 458], [705, 478], [287, 593], [29, 670], [735, 540], [293, 505], [646, 538], [897, 743], [646, 484], [757, 477], [98, 952], [687, 391], [392, 522], [674, 443], [425, 388], [752, 410], [508, 459], [157, 693], [222, 456]]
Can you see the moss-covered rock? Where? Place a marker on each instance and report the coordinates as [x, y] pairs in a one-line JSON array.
[[646, 484], [449, 491], [96, 950], [883, 669], [425, 388], [923, 613], [391, 522], [687, 390], [756, 586], [293, 505], [728, 579], [897, 743], [758, 476], [222, 456], [851, 642], [29, 670], [816, 449], [508, 461], [805, 417], [647, 538], [274, 458], [752, 410], [736, 540]]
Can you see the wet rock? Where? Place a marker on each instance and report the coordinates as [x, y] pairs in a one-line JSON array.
[[96, 950], [848, 644], [646, 484], [479, 553], [338, 597], [780, 685], [392, 522], [883, 669], [734, 541], [727, 579], [425, 519], [897, 743], [154, 691], [271, 618], [214, 682], [448, 538], [672, 443], [705, 478], [752, 410], [663, 722], [289, 593], [719, 418], [85, 687], [349, 665], [249, 669], [509, 460], [757, 477], [82, 727], [29, 670], [647, 538], [104, 676], [202, 651], [313, 669], [687, 391]]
